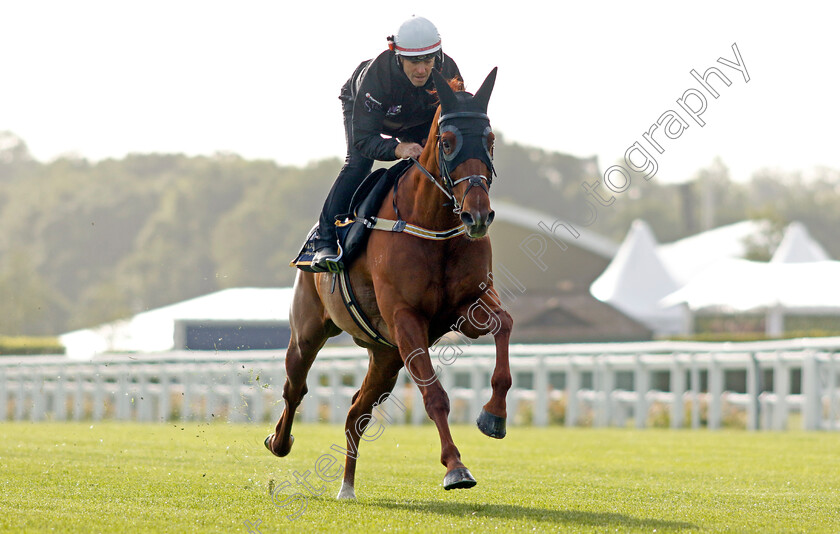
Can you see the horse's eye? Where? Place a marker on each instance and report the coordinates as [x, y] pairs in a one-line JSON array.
[[445, 144]]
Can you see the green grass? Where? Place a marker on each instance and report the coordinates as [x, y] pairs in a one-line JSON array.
[[126, 477]]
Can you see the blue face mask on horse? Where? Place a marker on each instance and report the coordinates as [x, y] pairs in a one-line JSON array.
[[464, 116]]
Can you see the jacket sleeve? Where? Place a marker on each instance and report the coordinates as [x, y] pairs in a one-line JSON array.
[[369, 117]]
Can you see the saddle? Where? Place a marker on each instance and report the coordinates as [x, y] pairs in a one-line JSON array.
[[353, 228]]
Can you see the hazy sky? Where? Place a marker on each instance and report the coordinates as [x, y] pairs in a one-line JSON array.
[[259, 78]]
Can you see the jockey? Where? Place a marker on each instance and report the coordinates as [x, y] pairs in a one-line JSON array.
[[387, 95]]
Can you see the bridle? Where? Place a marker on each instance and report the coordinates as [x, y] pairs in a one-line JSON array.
[[460, 154]]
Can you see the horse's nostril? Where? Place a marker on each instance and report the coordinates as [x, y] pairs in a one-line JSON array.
[[490, 217], [467, 219]]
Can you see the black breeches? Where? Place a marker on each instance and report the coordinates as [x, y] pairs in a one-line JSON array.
[[356, 168]]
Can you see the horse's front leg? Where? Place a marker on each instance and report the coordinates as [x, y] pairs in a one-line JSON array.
[[492, 419], [411, 334], [486, 316]]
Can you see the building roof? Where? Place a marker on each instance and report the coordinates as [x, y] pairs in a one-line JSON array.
[[571, 318], [529, 218], [546, 253], [154, 330]]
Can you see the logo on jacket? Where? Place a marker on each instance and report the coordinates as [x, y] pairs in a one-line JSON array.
[[372, 104], [394, 110]]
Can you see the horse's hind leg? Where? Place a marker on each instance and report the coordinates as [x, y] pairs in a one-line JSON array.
[[299, 358], [310, 330], [383, 370]]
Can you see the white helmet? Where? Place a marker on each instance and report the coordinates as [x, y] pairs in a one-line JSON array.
[[417, 38]]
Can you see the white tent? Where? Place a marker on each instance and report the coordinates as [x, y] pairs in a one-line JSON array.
[[636, 280], [686, 258], [154, 330], [798, 246], [775, 288]]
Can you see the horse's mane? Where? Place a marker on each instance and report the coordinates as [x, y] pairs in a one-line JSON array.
[[457, 84]]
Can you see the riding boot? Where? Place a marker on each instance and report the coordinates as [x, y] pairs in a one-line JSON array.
[[326, 246]]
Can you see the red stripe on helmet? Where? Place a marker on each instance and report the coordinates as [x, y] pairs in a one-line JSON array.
[[401, 49]]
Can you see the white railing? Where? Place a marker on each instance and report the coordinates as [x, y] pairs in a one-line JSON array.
[[764, 385]]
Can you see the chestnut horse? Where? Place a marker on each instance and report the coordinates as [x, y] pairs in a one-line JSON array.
[[415, 290]]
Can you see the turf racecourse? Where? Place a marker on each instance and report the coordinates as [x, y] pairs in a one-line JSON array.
[[197, 477]]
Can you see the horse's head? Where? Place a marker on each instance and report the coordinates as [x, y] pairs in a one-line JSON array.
[[466, 151]]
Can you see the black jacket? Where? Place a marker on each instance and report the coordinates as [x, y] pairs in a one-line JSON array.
[[384, 101]]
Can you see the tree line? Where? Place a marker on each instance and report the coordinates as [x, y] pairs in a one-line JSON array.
[[83, 243]]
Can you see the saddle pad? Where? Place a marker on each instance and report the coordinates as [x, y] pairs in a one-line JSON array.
[[303, 260]]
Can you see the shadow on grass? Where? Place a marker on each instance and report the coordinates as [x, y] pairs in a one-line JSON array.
[[508, 511]]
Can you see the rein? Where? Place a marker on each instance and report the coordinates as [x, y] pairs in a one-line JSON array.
[[448, 185], [432, 178], [474, 179], [399, 225]]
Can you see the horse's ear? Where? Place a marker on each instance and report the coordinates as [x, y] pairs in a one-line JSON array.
[[482, 96], [447, 97]]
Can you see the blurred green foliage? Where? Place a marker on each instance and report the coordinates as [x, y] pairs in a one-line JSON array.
[[82, 243], [25, 345]]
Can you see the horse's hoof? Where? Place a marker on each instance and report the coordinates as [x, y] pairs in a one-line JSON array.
[[458, 478], [346, 491], [491, 425], [268, 441]]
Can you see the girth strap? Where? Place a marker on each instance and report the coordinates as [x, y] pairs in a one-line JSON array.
[[356, 312]]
